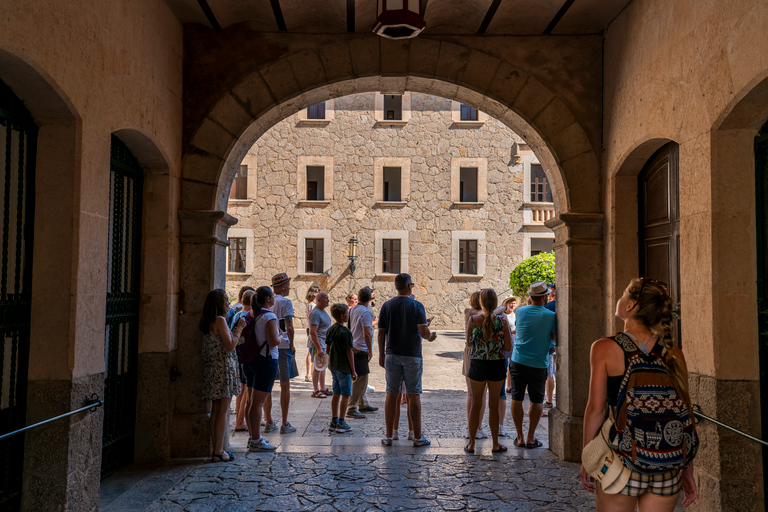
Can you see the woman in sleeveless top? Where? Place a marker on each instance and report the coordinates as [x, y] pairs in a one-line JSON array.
[[473, 309], [488, 337], [221, 380], [646, 310], [311, 295]]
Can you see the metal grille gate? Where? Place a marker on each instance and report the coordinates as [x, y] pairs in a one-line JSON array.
[[122, 330], [18, 138]]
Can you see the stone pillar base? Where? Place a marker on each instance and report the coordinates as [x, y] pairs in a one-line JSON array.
[[565, 435], [190, 437]]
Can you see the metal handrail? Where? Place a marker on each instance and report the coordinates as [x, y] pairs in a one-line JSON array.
[[92, 403], [697, 412]]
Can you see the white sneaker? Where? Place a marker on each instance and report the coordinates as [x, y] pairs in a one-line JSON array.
[[270, 427], [262, 445], [481, 434], [410, 435], [503, 431], [370, 389], [386, 441], [395, 435], [287, 429]]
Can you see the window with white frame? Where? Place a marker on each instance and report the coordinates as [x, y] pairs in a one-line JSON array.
[[314, 180], [468, 254], [467, 116], [313, 264], [392, 109], [318, 114], [540, 191], [391, 181], [313, 251], [239, 188], [391, 252], [469, 182], [467, 113], [237, 255], [240, 251]]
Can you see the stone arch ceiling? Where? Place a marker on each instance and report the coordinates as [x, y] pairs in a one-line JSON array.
[[443, 17]]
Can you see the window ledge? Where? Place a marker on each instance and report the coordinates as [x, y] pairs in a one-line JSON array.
[[315, 122], [468, 205], [385, 276], [467, 276], [309, 274], [319, 204], [468, 124], [391, 122], [391, 204], [538, 205], [241, 274], [239, 201]]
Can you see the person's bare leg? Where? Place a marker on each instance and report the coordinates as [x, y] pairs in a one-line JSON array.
[[391, 405], [309, 364], [414, 412], [343, 407], [517, 418], [256, 404], [335, 406], [316, 381], [396, 420], [502, 408], [247, 399], [550, 389], [285, 399], [268, 409], [652, 503], [240, 402], [408, 413], [534, 415], [613, 502], [494, 390], [321, 380], [475, 411]]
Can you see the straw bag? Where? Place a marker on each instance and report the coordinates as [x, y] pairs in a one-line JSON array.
[[603, 464]]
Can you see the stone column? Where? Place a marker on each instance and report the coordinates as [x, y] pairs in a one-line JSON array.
[[579, 254], [203, 245]]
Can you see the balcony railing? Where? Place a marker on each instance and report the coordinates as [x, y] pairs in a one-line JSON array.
[[540, 213]]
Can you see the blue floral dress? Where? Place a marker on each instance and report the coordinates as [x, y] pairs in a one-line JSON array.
[[221, 378]]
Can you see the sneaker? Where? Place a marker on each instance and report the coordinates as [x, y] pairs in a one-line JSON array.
[[422, 442], [332, 427], [386, 441], [410, 435], [480, 434], [370, 389], [342, 427], [287, 429], [355, 414], [270, 427], [503, 431], [395, 435], [307, 378], [548, 405], [369, 408], [262, 445]]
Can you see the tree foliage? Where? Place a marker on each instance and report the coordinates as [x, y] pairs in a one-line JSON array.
[[540, 267]]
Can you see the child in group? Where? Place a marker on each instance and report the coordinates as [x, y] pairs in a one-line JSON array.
[[338, 339]]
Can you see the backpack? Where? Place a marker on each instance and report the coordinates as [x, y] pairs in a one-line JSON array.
[[250, 348], [653, 429]]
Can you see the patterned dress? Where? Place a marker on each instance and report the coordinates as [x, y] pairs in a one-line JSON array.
[[221, 378], [489, 350]]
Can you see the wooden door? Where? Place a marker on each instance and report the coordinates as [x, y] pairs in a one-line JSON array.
[[659, 223], [761, 203]]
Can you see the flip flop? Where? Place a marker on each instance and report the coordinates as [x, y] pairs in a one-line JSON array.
[[215, 456], [535, 444], [501, 448], [231, 455], [241, 430], [318, 394], [467, 449], [519, 445]]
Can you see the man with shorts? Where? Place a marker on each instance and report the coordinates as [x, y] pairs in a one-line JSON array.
[[319, 322], [402, 324], [361, 324], [286, 361], [536, 327]]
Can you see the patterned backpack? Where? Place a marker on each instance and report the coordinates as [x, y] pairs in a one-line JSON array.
[[653, 429]]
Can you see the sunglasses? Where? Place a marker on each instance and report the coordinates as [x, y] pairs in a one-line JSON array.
[[646, 280]]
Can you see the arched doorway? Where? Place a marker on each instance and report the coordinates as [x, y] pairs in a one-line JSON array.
[[18, 149]]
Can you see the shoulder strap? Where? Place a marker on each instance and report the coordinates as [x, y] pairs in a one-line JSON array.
[[626, 343]]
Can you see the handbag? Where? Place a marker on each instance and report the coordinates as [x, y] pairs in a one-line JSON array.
[[603, 464]]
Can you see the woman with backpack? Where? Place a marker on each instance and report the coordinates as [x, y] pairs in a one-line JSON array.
[[653, 446], [221, 379]]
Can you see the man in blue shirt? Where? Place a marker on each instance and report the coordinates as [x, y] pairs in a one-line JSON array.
[[536, 327], [402, 325]]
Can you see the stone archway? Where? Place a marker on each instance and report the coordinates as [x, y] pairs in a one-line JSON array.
[[220, 130]]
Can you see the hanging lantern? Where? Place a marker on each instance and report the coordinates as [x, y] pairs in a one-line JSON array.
[[399, 19]]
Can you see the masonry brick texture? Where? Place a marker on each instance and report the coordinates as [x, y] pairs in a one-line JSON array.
[[353, 138]]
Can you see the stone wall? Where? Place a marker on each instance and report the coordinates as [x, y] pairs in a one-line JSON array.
[[430, 140]]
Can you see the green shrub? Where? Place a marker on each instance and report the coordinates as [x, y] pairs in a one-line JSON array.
[[540, 267]]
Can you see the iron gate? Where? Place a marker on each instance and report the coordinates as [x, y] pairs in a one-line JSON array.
[[122, 329], [18, 138]]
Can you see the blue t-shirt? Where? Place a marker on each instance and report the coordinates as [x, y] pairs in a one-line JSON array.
[[551, 305], [535, 325], [401, 316]]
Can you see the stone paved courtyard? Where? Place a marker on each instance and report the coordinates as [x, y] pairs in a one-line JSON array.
[[317, 470]]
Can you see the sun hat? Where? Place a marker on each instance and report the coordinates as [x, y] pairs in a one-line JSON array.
[[538, 288], [321, 361], [279, 279]]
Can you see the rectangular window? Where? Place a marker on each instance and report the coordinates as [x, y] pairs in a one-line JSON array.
[[393, 107], [239, 188], [390, 256], [315, 183], [540, 192], [237, 255], [314, 255], [316, 111], [468, 185], [392, 184], [468, 113], [467, 256]]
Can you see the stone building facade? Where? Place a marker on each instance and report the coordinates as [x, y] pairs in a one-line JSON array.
[[426, 185]]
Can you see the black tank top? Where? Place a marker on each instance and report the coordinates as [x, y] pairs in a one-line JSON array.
[[614, 383]]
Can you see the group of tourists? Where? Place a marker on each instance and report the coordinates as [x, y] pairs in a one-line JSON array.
[[625, 464]]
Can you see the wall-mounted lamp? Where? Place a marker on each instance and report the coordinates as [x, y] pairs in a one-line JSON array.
[[352, 253], [399, 19]]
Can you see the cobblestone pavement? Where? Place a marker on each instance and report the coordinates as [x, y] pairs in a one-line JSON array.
[[314, 469]]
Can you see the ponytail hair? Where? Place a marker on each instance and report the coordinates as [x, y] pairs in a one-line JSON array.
[[262, 294], [488, 301], [653, 309]]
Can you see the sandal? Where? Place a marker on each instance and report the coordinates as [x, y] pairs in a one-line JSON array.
[[328, 391], [231, 455], [468, 450], [535, 444], [216, 457], [519, 445], [500, 449], [319, 394]]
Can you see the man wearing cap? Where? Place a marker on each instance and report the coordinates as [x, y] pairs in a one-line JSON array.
[[536, 327], [286, 361], [361, 324]]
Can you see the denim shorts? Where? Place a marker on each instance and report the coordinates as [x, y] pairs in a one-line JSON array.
[[260, 373], [551, 366], [403, 368], [342, 383]]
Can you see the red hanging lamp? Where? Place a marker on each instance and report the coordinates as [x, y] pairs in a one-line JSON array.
[[399, 19]]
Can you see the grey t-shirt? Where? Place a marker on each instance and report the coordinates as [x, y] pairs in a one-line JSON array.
[[283, 308], [360, 320], [321, 319]]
